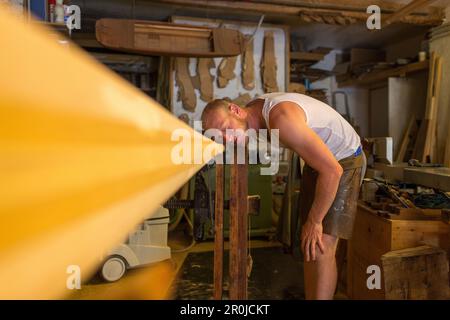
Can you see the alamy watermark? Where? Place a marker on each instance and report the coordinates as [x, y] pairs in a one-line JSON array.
[[74, 279], [374, 20], [374, 279], [73, 19], [190, 150]]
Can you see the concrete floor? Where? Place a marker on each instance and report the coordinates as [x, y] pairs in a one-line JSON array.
[[155, 281], [136, 283]]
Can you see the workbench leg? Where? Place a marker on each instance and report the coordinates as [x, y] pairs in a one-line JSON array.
[[238, 232], [218, 233]]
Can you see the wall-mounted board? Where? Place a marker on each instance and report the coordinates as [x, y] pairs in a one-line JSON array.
[[234, 87]]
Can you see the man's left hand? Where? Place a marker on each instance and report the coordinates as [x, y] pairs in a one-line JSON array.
[[310, 237]]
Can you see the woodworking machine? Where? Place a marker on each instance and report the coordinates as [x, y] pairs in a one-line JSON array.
[[203, 204]]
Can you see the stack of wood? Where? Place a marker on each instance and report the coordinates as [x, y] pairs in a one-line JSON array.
[[302, 62]]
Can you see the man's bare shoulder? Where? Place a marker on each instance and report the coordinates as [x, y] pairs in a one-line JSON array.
[[286, 111]]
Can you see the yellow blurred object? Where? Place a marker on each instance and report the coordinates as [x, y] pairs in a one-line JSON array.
[[84, 158]]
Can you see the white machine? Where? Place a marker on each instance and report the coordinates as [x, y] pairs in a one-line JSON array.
[[383, 149], [147, 244]]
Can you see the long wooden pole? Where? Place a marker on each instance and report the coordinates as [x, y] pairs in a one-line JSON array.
[[238, 232], [218, 233]]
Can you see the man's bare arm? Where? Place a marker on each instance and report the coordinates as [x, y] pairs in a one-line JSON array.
[[295, 134]]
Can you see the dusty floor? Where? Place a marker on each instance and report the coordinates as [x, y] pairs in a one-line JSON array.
[[166, 281]]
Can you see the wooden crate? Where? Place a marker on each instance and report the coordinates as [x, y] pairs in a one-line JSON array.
[[374, 236], [419, 273]]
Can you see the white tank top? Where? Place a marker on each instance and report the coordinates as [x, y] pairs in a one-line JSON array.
[[338, 135]]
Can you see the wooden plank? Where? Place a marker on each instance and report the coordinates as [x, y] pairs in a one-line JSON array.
[[426, 136], [425, 127], [432, 149], [164, 38], [386, 6], [238, 232], [218, 232], [406, 139], [305, 13], [403, 12], [419, 273], [377, 76]]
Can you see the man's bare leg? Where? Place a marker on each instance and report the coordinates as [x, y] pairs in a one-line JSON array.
[[321, 275]]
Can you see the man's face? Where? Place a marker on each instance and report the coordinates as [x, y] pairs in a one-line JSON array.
[[227, 119]]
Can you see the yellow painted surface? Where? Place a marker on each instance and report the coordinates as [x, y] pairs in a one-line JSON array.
[[84, 157]]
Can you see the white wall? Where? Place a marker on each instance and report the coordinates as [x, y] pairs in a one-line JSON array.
[[406, 97], [358, 98]]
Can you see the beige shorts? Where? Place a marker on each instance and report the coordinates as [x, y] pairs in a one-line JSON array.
[[340, 217]]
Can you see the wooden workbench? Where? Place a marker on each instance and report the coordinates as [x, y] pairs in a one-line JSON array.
[[374, 236]]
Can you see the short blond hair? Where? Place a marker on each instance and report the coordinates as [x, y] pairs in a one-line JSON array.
[[212, 107]]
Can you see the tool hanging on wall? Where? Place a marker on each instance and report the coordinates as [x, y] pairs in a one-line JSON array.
[[205, 79], [225, 72], [247, 59], [185, 84], [269, 64], [248, 65]]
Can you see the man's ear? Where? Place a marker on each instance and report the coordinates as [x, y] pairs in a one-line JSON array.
[[235, 109]]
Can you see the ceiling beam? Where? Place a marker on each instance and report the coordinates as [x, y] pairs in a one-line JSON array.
[[414, 5], [305, 14], [354, 5]]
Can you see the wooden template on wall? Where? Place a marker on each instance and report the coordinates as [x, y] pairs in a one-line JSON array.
[[234, 87]]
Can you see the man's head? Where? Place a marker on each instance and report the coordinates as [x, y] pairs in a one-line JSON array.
[[221, 114]]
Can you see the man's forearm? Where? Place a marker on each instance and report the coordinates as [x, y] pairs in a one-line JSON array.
[[326, 188]]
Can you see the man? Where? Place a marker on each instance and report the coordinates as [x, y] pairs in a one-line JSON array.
[[331, 177]]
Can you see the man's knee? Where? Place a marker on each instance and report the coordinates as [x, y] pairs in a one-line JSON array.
[[330, 244]]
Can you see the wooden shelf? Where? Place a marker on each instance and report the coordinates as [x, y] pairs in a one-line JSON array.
[[377, 76], [307, 56]]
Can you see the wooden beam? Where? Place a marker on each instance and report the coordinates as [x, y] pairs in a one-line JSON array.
[[218, 233], [406, 139], [423, 148], [307, 14], [165, 38], [238, 232], [385, 6], [432, 143], [409, 8]]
